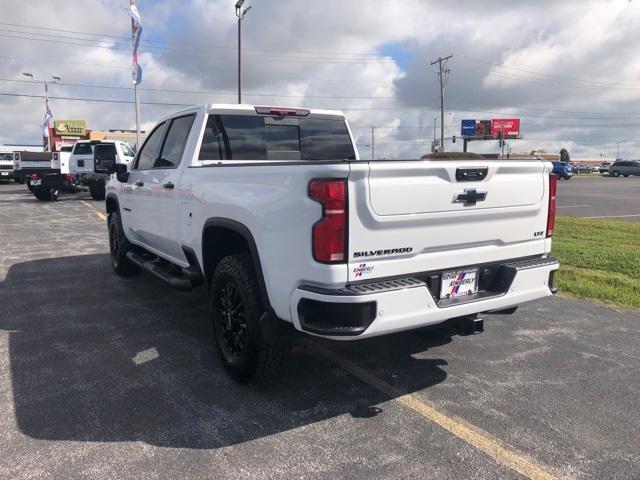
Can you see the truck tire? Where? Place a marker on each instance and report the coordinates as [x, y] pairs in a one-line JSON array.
[[46, 194], [119, 246], [97, 189], [236, 309]]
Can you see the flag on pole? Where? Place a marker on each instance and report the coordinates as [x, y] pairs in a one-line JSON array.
[[136, 70], [48, 118]]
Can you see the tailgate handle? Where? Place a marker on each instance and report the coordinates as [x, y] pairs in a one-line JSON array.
[[470, 196], [471, 174]]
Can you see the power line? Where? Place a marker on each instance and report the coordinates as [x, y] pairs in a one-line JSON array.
[[561, 77], [99, 100], [205, 45], [49, 60], [182, 53], [585, 82]]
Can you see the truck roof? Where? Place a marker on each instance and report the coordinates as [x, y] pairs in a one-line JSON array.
[[100, 141], [249, 108]]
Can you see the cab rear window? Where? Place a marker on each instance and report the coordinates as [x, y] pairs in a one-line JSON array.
[[83, 149], [252, 137]]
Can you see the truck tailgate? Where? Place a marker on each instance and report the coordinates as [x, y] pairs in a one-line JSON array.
[[418, 216]]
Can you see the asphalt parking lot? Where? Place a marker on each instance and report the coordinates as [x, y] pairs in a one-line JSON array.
[[103, 377], [600, 197]]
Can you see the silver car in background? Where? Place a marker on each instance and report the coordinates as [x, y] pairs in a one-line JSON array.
[[624, 168]]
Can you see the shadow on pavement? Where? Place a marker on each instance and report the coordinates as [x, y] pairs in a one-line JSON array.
[[98, 358]]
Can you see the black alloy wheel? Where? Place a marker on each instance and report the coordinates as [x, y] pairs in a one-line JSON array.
[[237, 307], [232, 319], [118, 247], [114, 244]]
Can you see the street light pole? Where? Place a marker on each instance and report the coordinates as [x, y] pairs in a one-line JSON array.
[[240, 14], [618, 151], [435, 127]]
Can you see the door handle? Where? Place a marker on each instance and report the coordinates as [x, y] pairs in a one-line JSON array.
[[139, 184], [167, 185]]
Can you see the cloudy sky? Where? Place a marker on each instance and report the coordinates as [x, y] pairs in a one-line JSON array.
[[569, 69]]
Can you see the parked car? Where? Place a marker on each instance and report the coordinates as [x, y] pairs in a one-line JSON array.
[[581, 168], [563, 170], [273, 212], [604, 167], [6, 166], [624, 168]]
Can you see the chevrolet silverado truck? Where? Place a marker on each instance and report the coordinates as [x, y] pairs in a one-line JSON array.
[[272, 210], [86, 154]]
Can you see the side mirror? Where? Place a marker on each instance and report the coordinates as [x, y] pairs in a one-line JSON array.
[[121, 172]]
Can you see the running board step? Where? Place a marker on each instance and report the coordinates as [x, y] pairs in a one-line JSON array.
[[157, 270]]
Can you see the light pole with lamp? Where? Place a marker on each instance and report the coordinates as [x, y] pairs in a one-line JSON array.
[[45, 81], [240, 14]]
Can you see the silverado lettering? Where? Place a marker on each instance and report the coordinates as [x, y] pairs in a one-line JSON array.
[[380, 253]]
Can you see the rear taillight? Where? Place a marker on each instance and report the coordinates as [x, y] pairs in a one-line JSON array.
[[551, 218], [329, 239], [16, 156]]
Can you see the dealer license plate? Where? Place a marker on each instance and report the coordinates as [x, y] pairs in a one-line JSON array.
[[459, 283]]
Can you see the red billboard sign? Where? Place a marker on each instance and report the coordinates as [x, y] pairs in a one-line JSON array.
[[510, 127]]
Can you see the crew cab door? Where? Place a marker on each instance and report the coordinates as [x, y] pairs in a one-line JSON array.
[[154, 206]]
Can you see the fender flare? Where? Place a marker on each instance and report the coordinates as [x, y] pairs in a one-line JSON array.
[[245, 233], [111, 196]]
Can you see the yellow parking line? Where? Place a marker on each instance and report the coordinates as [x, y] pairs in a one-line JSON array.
[[471, 434], [98, 213]]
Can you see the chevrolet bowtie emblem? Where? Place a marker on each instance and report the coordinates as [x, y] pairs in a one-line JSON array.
[[470, 196]]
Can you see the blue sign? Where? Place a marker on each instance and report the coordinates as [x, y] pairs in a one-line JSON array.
[[468, 128]]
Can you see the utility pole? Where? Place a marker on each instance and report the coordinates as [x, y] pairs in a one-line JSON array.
[[240, 14], [442, 73], [373, 143], [618, 151], [135, 69], [46, 109]]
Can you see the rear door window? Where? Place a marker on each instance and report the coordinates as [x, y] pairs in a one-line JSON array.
[[253, 137], [151, 149], [175, 142]]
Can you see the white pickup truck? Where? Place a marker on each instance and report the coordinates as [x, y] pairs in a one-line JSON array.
[[274, 212], [85, 155]]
